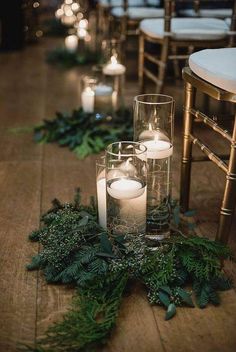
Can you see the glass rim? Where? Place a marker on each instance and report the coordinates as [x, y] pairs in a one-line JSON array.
[[169, 99], [101, 161], [139, 144], [87, 78]]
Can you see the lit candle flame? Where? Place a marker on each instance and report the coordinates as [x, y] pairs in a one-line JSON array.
[[127, 163]]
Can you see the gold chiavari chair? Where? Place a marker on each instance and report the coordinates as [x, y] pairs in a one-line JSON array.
[[211, 72], [126, 18], [221, 10], [104, 8], [176, 39]]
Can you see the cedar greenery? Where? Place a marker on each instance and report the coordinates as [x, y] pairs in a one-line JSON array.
[[76, 250], [85, 133], [66, 59]]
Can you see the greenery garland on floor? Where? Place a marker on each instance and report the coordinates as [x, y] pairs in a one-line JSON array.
[[85, 133], [76, 250], [62, 57], [54, 28]]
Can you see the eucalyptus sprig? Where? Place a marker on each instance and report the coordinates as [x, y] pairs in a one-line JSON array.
[[76, 250]]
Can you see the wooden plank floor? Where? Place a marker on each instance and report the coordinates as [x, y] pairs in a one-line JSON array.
[[32, 175]]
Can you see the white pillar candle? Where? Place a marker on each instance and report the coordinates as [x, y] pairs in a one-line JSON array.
[[157, 149], [102, 204], [87, 100], [114, 68], [71, 43]]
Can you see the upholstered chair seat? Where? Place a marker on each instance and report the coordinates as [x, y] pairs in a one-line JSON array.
[[216, 66], [137, 13], [187, 28]]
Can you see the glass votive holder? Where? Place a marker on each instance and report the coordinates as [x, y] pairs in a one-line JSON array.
[[153, 127], [126, 179], [96, 96], [103, 98], [114, 71], [110, 47], [101, 191]]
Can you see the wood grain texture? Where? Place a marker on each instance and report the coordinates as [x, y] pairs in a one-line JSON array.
[[135, 315], [20, 191], [210, 330], [32, 175]]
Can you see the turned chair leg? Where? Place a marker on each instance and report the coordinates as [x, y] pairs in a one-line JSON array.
[[141, 63], [229, 199], [175, 62], [162, 66], [190, 94]]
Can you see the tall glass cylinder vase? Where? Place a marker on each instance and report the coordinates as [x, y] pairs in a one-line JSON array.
[[114, 72], [153, 127], [126, 172]]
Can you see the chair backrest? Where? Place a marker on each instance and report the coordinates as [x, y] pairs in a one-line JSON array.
[[170, 6], [153, 3]]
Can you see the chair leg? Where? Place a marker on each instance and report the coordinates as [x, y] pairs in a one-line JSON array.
[[141, 63], [162, 66], [190, 94], [229, 199], [176, 62]]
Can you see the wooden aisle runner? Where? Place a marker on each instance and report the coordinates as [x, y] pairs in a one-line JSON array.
[[30, 177], [20, 189]]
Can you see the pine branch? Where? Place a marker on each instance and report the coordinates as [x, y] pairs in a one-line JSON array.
[[90, 321]]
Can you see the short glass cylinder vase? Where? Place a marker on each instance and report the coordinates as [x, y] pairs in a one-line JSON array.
[[126, 182], [153, 127], [110, 47], [96, 95]]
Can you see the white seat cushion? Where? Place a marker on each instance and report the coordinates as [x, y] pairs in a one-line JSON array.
[[187, 28], [134, 3], [228, 21], [138, 13], [216, 66], [216, 13]]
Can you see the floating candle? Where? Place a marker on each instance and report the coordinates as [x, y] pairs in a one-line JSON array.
[[157, 143], [114, 68], [125, 188], [157, 149], [128, 168]]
